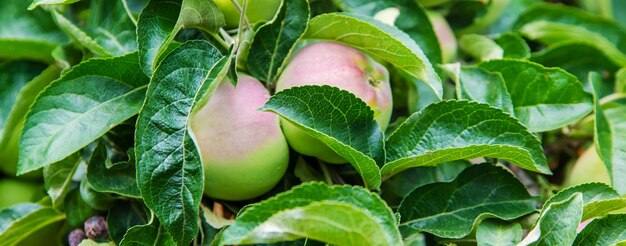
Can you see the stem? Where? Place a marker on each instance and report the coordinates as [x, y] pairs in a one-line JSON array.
[[242, 11], [326, 171]]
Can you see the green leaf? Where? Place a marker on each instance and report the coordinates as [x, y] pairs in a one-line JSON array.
[[609, 230], [151, 234], [27, 34], [169, 171], [275, 40], [454, 130], [122, 216], [19, 105], [610, 132], [566, 55], [161, 20], [21, 220], [498, 233], [598, 199], [119, 178], [108, 30], [550, 23], [558, 222], [453, 209], [13, 77], [620, 81], [497, 17], [369, 35], [543, 98], [37, 3], [339, 215], [58, 177], [480, 85], [480, 47], [340, 120], [513, 45], [411, 19], [91, 242], [76, 109], [77, 211]]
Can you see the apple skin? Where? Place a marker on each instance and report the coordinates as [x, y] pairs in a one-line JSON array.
[[258, 10], [446, 37], [341, 66], [588, 168], [243, 150]]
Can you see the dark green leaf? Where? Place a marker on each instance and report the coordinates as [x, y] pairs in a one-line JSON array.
[[453, 209], [169, 171], [122, 216], [609, 230], [21, 220], [513, 45], [480, 85], [76, 109], [610, 132], [558, 222], [369, 35], [118, 178], [76, 210], [340, 120], [543, 98], [406, 15], [27, 34], [454, 130], [151, 234], [58, 177], [551, 23], [340, 215], [274, 41], [498, 233]]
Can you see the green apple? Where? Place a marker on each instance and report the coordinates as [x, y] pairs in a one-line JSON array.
[[257, 10], [588, 168], [445, 35], [14, 191], [243, 150], [341, 66]]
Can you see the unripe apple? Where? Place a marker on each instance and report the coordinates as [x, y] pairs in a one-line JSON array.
[[341, 66], [445, 35], [257, 10], [588, 168], [243, 150]]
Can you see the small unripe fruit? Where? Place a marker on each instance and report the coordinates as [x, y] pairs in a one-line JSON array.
[[75, 237], [96, 228], [243, 150], [257, 10], [338, 65]]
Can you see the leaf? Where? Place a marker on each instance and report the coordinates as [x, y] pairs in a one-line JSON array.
[[454, 130], [558, 222], [498, 233], [411, 19], [91, 242], [513, 45], [277, 39], [340, 120], [566, 54], [169, 171], [480, 85], [17, 108], [20, 221], [151, 234], [452, 209], [554, 23], [161, 20], [543, 98], [122, 216], [37, 3], [108, 30], [339, 215], [609, 230], [119, 178], [58, 177], [76, 210], [480, 47], [377, 39], [498, 17], [93, 96], [610, 133], [598, 199], [27, 34]]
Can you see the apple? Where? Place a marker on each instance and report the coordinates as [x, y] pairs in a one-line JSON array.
[[243, 150], [445, 35], [588, 168], [257, 10], [341, 66], [16, 191]]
